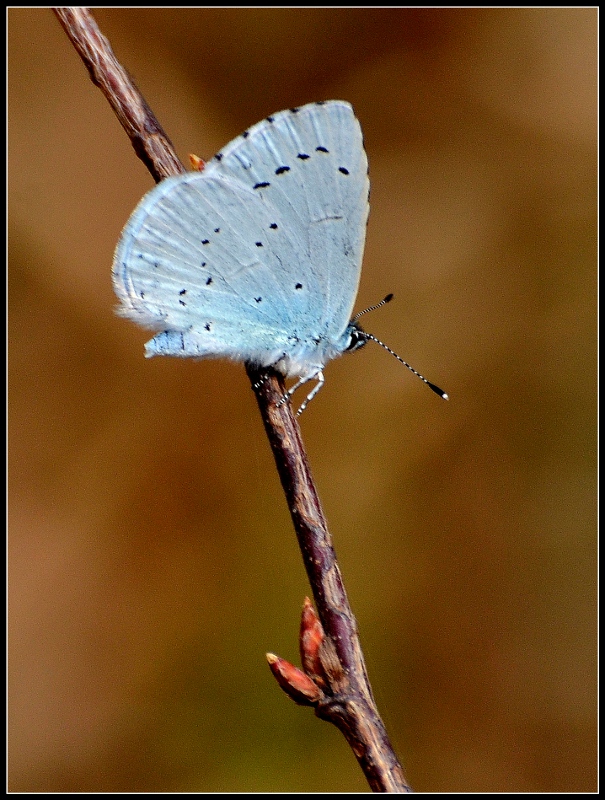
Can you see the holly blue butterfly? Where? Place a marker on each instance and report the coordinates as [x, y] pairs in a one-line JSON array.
[[257, 257]]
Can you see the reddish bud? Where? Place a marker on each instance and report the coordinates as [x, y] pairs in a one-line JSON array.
[[294, 682], [311, 639]]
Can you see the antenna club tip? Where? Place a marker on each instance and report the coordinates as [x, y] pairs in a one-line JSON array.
[[438, 391], [388, 298]]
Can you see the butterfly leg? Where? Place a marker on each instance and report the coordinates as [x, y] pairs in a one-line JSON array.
[[320, 382], [319, 377], [288, 394], [260, 381]]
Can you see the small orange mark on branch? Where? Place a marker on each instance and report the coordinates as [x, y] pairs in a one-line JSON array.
[[197, 163]]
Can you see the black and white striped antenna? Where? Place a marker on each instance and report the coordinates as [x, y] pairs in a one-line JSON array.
[[368, 337]]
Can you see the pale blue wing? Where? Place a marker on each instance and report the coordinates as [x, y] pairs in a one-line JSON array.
[[311, 165], [261, 252], [200, 255]]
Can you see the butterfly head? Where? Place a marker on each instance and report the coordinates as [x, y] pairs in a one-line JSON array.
[[357, 337]]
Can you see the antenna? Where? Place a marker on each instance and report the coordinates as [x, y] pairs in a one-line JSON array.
[[382, 303], [368, 336]]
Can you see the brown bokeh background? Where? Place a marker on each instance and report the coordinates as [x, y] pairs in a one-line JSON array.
[[152, 559]]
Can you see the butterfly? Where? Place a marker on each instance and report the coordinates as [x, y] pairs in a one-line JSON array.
[[257, 257]]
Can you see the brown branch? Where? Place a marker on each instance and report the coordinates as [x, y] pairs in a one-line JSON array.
[[151, 144], [349, 704], [335, 665]]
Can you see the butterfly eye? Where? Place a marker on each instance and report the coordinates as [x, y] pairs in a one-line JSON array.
[[357, 339]]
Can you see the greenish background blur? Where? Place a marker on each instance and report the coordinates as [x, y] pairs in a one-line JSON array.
[[152, 558]]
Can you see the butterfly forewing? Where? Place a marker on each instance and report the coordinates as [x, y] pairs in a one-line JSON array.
[[312, 166]]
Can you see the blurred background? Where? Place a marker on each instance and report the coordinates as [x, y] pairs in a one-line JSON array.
[[152, 561]]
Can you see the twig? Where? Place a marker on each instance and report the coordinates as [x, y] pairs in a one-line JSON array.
[[334, 680]]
